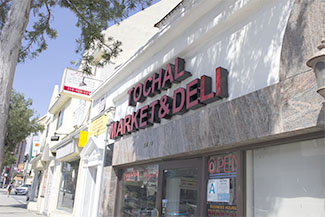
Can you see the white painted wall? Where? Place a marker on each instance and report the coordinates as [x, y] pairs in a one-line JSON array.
[[90, 178], [75, 113], [134, 32], [56, 166], [243, 36]]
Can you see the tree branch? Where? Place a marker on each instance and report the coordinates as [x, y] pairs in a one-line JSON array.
[[33, 39], [75, 9], [4, 3]]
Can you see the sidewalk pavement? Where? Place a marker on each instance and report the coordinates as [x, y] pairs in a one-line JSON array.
[[10, 207]]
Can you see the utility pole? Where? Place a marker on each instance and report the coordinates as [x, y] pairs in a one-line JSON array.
[[28, 157], [26, 160]]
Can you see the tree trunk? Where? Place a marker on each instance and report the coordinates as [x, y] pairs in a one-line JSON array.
[[10, 42]]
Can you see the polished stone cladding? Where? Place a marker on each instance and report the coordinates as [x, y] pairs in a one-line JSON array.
[[288, 108]]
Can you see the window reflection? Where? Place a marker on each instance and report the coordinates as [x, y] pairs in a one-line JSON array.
[[180, 192], [68, 185], [138, 191], [222, 187]]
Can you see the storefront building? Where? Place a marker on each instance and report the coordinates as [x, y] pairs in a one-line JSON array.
[[55, 186], [218, 115], [97, 152], [71, 111], [37, 166], [68, 170]]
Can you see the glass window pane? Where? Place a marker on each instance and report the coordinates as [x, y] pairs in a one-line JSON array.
[[68, 185], [60, 119], [138, 191], [222, 190], [287, 180], [180, 192]]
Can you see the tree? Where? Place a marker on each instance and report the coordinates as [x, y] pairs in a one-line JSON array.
[[93, 17], [20, 124]]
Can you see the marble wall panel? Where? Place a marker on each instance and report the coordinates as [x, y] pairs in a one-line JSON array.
[[108, 193], [304, 31], [286, 107]]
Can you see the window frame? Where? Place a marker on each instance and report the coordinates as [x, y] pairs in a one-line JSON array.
[[241, 180], [60, 119]]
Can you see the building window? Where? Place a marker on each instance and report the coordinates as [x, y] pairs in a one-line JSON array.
[[222, 185], [47, 130], [286, 180], [180, 192], [68, 185], [60, 120], [138, 190]]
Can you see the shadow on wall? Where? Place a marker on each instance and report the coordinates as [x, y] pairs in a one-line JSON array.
[[251, 52], [250, 49], [321, 116], [303, 33], [247, 43]]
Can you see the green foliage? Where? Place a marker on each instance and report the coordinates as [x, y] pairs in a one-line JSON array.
[[40, 29], [93, 18], [20, 123], [4, 8], [8, 158]]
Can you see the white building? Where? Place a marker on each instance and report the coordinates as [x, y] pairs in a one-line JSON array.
[[250, 151], [70, 167]]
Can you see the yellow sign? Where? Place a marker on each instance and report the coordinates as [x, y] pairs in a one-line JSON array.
[[83, 138], [98, 126]]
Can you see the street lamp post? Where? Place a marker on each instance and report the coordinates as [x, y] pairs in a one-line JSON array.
[[317, 63]]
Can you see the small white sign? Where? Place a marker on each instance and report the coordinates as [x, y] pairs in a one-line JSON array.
[[78, 83], [218, 190]]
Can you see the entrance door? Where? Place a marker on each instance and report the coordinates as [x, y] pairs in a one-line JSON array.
[[91, 174], [180, 188]]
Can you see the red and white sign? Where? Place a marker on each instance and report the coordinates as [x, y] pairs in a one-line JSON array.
[[78, 83], [76, 90]]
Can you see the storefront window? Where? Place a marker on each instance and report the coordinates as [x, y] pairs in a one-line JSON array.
[[138, 190], [180, 192], [286, 180], [222, 186], [68, 185]]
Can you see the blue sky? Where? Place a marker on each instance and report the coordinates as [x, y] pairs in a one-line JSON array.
[[36, 78]]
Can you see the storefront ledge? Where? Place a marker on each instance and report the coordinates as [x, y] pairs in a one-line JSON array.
[[71, 157], [60, 213], [286, 109], [59, 102]]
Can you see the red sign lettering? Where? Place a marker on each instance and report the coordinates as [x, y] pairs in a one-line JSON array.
[[223, 164], [198, 92]]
